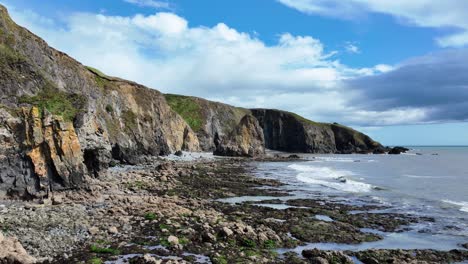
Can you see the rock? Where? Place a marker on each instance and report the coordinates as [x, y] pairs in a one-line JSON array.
[[57, 199], [173, 240], [293, 156], [398, 150], [113, 230], [246, 140], [93, 230], [227, 232], [151, 260], [179, 153], [465, 245], [11, 251]]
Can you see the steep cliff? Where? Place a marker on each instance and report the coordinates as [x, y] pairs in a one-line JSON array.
[[290, 132], [282, 130], [245, 140], [104, 117], [208, 119]]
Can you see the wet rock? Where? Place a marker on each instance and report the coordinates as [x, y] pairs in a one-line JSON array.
[[319, 256], [113, 230], [227, 232], [173, 240], [179, 153], [397, 150]]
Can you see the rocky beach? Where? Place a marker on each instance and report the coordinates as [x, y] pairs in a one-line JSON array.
[[167, 211]]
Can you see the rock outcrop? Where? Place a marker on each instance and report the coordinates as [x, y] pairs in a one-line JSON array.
[[246, 140], [397, 150]]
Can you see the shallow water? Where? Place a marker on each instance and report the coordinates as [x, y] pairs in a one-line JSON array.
[[430, 182]]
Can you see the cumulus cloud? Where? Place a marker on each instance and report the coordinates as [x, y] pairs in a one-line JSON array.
[[424, 13], [297, 73]]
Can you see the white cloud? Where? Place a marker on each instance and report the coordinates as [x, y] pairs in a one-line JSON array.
[[424, 13], [351, 48], [162, 51], [150, 3]]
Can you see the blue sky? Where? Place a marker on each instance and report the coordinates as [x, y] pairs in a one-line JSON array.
[[395, 69]]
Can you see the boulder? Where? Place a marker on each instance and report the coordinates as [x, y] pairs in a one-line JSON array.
[[398, 150], [11, 251], [246, 140]]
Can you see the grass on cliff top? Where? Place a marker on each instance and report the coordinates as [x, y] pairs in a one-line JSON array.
[[188, 109], [97, 72], [56, 102]]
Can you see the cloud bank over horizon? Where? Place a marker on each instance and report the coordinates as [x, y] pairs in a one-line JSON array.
[[296, 73]]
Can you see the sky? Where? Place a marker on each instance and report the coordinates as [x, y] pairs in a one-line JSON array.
[[396, 70]]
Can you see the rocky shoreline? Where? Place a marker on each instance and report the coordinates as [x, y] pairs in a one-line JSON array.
[[168, 212]]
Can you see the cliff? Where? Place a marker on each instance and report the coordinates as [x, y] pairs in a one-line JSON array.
[[282, 130], [101, 116], [62, 122]]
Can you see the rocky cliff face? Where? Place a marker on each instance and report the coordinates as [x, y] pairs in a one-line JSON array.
[[246, 140], [208, 119], [290, 132], [75, 118], [282, 130]]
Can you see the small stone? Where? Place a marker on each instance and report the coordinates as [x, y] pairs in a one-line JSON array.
[[173, 240], [57, 199], [227, 232], [113, 230], [164, 178], [93, 230], [150, 259]]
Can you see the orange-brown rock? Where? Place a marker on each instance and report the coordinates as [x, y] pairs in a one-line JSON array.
[[246, 140]]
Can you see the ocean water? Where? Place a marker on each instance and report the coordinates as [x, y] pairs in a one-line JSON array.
[[427, 181]]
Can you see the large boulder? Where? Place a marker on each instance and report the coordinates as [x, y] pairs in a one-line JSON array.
[[397, 150], [246, 140], [12, 252]]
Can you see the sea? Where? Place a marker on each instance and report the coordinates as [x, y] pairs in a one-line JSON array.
[[426, 181]]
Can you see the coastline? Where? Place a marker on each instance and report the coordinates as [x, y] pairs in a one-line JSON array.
[[169, 211]]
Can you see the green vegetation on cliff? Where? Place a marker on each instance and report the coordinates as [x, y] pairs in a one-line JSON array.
[[56, 102], [188, 109]]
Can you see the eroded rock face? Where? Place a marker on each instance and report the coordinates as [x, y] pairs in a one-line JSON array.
[[246, 140], [39, 154], [286, 132]]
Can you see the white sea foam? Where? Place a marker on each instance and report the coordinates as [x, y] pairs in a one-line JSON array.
[[329, 177], [421, 176], [463, 205], [320, 172], [334, 159]]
